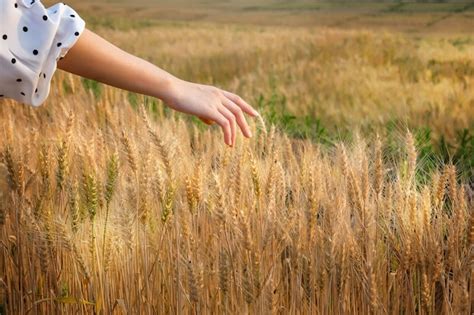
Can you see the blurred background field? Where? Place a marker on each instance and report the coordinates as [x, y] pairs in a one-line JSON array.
[[444, 16]]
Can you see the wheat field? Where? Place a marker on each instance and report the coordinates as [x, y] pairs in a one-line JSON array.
[[343, 202]]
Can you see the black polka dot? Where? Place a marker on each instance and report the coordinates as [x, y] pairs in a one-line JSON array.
[[19, 80], [72, 15], [45, 17], [35, 52], [13, 60], [44, 75], [32, 1], [76, 33], [59, 44], [36, 90], [5, 37], [22, 93], [16, 5], [1, 95], [25, 29]]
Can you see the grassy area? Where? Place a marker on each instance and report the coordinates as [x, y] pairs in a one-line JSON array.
[[319, 70], [325, 83], [406, 17]]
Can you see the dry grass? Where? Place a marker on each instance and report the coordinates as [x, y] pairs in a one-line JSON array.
[[356, 77], [349, 80], [412, 17], [273, 226]]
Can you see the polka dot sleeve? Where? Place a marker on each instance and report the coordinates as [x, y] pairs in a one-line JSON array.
[[32, 39]]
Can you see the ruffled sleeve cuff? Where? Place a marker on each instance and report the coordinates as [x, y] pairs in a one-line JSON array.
[[69, 27]]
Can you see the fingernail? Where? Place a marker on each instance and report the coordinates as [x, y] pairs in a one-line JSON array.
[[256, 113], [250, 134]]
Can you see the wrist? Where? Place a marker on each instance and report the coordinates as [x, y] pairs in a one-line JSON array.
[[167, 89]]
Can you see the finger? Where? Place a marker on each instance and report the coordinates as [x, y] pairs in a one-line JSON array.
[[228, 114], [241, 103], [231, 118], [222, 121], [239, 115]]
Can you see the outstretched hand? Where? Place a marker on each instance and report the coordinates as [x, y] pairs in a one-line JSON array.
[[95, 58], [211, 104]]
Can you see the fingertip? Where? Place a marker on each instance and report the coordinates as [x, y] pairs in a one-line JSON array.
[[250, 111], [229, 140]]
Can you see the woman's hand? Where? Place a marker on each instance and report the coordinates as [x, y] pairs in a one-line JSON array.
[[211, 104]]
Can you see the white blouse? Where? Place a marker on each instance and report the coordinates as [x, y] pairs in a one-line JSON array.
[[32, 40]]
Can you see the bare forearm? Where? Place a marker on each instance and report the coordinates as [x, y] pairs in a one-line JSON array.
[[95, 58]]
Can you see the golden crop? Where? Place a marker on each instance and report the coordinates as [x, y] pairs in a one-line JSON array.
[[104, 209], [110, 204]]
